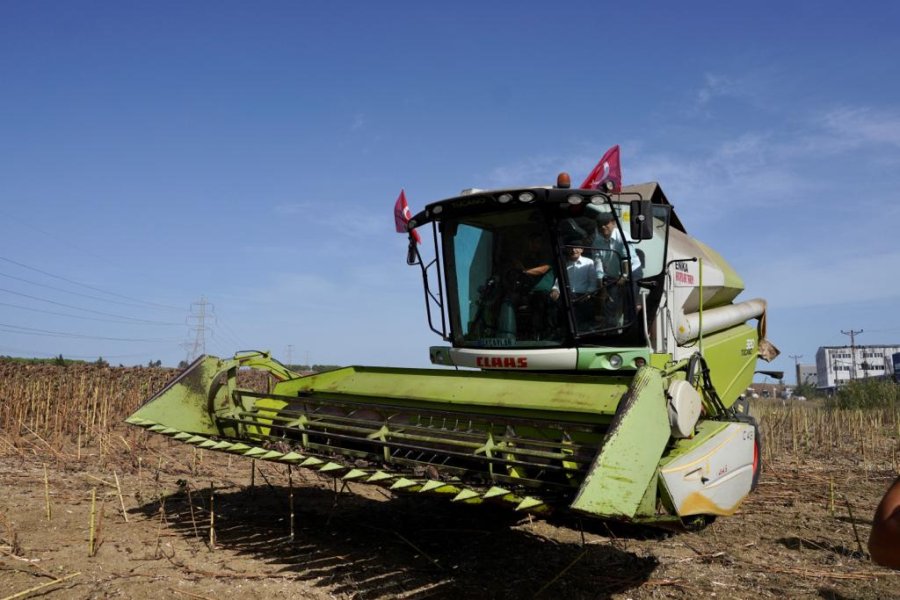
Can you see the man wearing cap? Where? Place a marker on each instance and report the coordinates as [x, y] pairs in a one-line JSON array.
[[609, 254]]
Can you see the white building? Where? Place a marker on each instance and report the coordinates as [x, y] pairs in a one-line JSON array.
[[836, 365]]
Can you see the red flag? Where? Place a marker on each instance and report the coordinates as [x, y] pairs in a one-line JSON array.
[[607, 170], [402, 215]]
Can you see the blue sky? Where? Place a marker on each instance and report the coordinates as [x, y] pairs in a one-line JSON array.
[[250, 153]]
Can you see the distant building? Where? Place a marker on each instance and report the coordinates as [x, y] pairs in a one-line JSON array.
[[807, 374], [837, 365]]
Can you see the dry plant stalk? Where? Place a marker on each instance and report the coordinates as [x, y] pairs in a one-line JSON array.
[[291, 500], [93, 515], [801, 431], [831, 497], [162, 521], [99, 539], [36, 588], [12, 537], [75, 403], [47, 493], [121, 500], [212, 516], [191, 505]]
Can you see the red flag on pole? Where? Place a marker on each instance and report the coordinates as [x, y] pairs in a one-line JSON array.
[[402, 215], [607, 170]]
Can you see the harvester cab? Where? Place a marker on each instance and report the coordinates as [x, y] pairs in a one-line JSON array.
[[598, 360], [544, 278]]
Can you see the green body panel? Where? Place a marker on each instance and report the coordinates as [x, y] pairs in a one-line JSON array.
[[731, 357], [628, 459], [732, 282], [598, 358], [184, 404], [660, 361], [646, 509], [491, 392]]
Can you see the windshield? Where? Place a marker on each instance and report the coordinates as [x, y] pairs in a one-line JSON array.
[[503, 267], [540, 275]]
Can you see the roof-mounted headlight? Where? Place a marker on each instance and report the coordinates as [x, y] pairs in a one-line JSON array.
[[526, 197], [504, 198]]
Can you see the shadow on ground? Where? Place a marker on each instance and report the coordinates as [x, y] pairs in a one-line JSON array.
[[410, 547]]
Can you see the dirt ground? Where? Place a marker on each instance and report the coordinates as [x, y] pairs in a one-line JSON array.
[[365, 543]]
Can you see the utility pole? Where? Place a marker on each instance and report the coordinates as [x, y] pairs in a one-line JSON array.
[[852, 335], [290, 352], [796, 358]]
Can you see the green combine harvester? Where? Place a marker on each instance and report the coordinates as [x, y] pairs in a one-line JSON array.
[[596, 362]]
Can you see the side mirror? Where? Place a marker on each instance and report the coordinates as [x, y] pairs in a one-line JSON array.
[[412, 254], [641, 220]]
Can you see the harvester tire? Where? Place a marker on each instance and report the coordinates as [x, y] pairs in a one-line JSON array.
[[697, 523], [757, 457]]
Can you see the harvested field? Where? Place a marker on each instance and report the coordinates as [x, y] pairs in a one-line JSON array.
[[193, 526]]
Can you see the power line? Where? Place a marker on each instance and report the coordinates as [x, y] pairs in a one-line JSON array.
[[234, 337], [55, 237], [64, 334], [96, 312], [227, 337], [121, 321], [58, 289], [32, 353], [90, 287]]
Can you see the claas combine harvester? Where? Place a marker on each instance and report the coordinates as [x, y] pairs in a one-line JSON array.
[[596, 361]]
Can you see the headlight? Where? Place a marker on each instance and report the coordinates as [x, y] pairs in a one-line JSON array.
[[615, 361], [526, 197]]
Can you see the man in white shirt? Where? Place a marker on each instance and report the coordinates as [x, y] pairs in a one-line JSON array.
[[582, 277]]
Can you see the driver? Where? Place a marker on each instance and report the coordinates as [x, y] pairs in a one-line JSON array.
[[535, 261], [525, 287]]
